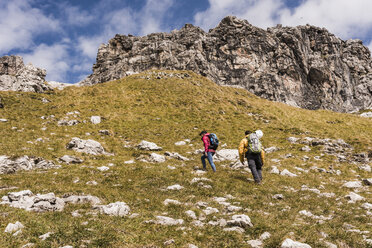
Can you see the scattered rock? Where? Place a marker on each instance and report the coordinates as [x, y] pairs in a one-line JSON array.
[[103, 168], [255, 243], [82, 199], [366, 114], [167, 221], [285, 172], [226, 154], [191, 214], [367, 206], [115, 209], [210, 210], [3, 120], [234, 229], [271, 149], [170, 201], [353, 184], [278, 196], [148, 146], [104, 132], [67, 122], [353, 197], [274, 170], [169, 242], [12, 228], [71, 159], [37, 203], [176, 155], [95, 119], [45, 236], [240, 221], [152, 158], [175, 187], [365, 167], [87, 146], [289, 243], [8, 165]]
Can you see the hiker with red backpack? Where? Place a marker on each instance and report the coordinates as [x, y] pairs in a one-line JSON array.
[[210, 142], [250, 147]]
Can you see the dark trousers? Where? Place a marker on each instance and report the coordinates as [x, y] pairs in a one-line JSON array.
[[255, 164]]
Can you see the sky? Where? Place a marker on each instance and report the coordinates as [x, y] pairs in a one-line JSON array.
[[63, 36]]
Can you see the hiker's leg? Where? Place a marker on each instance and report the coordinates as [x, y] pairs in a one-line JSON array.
[[203, 157], [252, 166], [210, 160], [259, 168]]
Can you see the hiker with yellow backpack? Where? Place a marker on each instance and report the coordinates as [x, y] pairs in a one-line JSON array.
[[251, 148]]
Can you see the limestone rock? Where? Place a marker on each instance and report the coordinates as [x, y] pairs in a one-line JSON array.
[[240, 221], [71, 159], [82, 199], [226, 154], [87, 146], [167, 221], [304, 66], [12, 228], [367, 114], [289, 243], [175, 187], [115, 209], [353, 197], [15, 76], [170, 201], [148, 146], [95, 119], [286, 172], [353, 184], [176, 155], [8, 165]]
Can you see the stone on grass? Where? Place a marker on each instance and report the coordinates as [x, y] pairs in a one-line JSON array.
[[274, 170], [353, 184], [3, 120], [226, 154], [289, 243], [367, 206], [45, 236], [114, 209], [9, 165], [278, 196], [192, 246], [167, 221], [293, 140], [180, 143], [176, 155], [191, 214], [70, 159], [241, 220], [12, 228], [156, 158], [271, 149], [330, 245], [286, 172], [87, 146], [75, 199], [265, 235], [95, 119], [353, 197], [210, 210], [255, 243], [175, 187], [365, 167], [148, 146], [170, 201], [103, 168]]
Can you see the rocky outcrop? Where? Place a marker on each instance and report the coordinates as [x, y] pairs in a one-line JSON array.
[[15, 76], [304, 66], [9, 165]]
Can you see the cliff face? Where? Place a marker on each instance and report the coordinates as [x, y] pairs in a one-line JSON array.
[[304, 66], [15, 76]]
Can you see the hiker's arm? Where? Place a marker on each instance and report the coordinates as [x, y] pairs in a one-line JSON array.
[[241, 150], [206, 144], [263, 157]]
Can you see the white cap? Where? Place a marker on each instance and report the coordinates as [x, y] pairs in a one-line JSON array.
[[259, 134]]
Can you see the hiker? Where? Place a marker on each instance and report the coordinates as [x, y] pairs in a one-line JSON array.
[[209, 149], [251, 148]]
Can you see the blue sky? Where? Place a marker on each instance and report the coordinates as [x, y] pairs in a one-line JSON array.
[[63, 36]]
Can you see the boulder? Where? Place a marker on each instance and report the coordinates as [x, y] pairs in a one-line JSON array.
[[148, 146], [167, 221], [115, 209], [8, 165], [87, 146], [95, 119], [289, 243], [226, 154], [70, 159], [12, 228], [241, 220]]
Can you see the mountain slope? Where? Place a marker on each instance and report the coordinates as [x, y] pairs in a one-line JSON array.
[[166, 107]]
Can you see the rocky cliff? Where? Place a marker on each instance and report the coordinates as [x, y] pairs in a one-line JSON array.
[[16, 76], [304, 66]]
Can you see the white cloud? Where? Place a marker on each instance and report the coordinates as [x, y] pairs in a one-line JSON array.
[[53, 58], [77, 16], [20, 23], [151, 16], [261, 13], [345, 18]]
